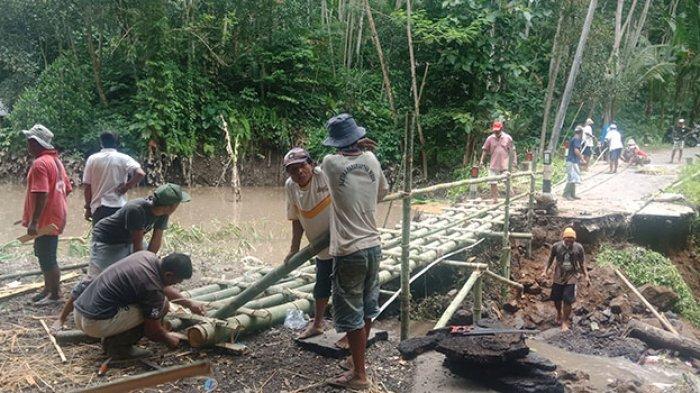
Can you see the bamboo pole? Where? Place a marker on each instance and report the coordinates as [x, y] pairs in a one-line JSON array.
[[380, 53], [406, 231], [531, 205], [505, 250], [275, 275], [153, 378], [666, 324], [476, 308], [457, 301], [37, 272]]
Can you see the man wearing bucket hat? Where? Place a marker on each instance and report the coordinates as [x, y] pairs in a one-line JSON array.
[[614, 140], [678, 138], [117, 236], [356, 184], [588, 143], [568, 258], [499, 146], [308, 208], [573, 159], [45, 205]]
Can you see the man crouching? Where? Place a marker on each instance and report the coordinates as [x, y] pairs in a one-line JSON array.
[[128, 301]]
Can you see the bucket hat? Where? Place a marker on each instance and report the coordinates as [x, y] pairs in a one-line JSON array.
[[296, 155], [343, 131], [41, 134]]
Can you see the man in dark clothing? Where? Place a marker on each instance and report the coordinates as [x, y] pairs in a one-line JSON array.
[[573, 159], [678, 137], [568, 258], [128, 300]]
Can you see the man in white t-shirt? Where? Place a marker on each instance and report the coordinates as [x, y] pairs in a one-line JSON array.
[[308, 208], [356, 183], [588, 143], [614, 139], [108, 175]]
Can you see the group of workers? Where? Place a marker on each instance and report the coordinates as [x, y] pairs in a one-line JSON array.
[[128, 288]]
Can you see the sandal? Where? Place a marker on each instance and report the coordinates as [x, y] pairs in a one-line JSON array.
[[39, 296], [349, 380]]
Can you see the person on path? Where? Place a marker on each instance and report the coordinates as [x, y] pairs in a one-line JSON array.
[[46, 207], [588, 143], [573, 159], [568, 258], [356, 183], [634, 155], [308, 208], [614, 139], [499, 146], [108, 176], [678, 137], [128, 301], [119, 235]]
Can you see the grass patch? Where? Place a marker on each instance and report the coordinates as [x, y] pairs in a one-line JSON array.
[[644, 266], [690, 188]]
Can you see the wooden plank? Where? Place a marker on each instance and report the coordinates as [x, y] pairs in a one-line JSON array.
[[153, 378], [10, 293], [46, 230], [53, 341]]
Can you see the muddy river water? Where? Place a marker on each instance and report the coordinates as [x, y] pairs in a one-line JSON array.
[[261, 210]]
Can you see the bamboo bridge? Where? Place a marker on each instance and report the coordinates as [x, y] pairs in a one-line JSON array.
[[261, 298]]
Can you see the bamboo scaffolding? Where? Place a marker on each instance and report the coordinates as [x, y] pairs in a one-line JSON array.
[[454, 305], [406, 220], [505, 257]]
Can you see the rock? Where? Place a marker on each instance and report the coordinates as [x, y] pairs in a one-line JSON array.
[[663, 298], [607, 313], [534, 360], [527, 283], [594, 326], [597, 316], [484, 350], [620, 305], [413, 347], [462, 317], [511, 307], [452, 293], [534, 289], [580, 309]]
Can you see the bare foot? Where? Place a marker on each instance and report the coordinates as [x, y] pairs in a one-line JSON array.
[[310, 331], [343, 343], [565, 326], [57, 325], [558, 321]]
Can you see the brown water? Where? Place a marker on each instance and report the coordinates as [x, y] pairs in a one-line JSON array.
[[261, 212]]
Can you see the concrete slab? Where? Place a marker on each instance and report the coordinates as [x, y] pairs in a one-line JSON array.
[[324, 344], [664, 209], [431, 377]]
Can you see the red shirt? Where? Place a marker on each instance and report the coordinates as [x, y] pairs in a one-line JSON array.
[[47, 175]]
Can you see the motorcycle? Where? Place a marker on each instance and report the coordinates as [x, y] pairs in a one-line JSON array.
[[692, 137]]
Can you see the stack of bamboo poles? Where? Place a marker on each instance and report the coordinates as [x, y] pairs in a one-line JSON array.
[[429, 239]]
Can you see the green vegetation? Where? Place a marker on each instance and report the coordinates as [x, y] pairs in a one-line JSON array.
[[690, 183], [643, 266], [164, 73]]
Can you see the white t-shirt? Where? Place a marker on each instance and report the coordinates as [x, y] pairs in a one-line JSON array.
[[356, 184], [614, 139], [311, 206], [104, 172], [588, 136]]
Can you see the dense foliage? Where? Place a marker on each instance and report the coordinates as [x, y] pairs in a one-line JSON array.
[[164, 73], [644, 266]]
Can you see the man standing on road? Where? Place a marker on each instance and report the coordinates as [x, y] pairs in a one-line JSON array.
[[614, 140], [678, 137], [568, 258], [308, 208], [45, 204], [356, 184], [573, 159], [128, 301], [588, 143], [499, 145], [108, 175]]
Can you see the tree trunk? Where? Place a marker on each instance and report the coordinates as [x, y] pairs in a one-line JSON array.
[[573, 73], [657, 338], [554, 64], [96, 61]]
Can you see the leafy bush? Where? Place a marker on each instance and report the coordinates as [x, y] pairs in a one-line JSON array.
[[644, 266]]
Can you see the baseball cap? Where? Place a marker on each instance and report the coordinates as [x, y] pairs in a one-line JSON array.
[[569, 232], [497, 126], [41, 134], [170, 194], [578, 129], [296, 155]]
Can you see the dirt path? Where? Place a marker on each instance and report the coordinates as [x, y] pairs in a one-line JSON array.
[[622, 192]]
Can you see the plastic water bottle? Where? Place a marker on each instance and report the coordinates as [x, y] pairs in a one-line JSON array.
[[295, 319]]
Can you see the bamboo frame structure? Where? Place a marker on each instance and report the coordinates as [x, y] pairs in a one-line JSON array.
[[406, 229]]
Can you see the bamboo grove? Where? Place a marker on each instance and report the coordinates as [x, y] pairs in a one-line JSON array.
[[167, 73]]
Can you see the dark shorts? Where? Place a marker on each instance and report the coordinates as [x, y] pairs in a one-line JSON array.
[[563, 292], [587, 151], [356, 288], [615, 154], [45, 248], [102, 212], [324, 270]]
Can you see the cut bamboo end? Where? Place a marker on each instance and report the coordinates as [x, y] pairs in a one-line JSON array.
[[200, 335]]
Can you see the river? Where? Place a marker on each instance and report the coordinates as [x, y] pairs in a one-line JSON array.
[[261, 209]]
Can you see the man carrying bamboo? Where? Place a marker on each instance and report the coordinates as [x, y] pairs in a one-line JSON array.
[[573, 159], [356, 184], [568, 257], [45, 208], [308, 208], [130, 298], [499, 146]]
